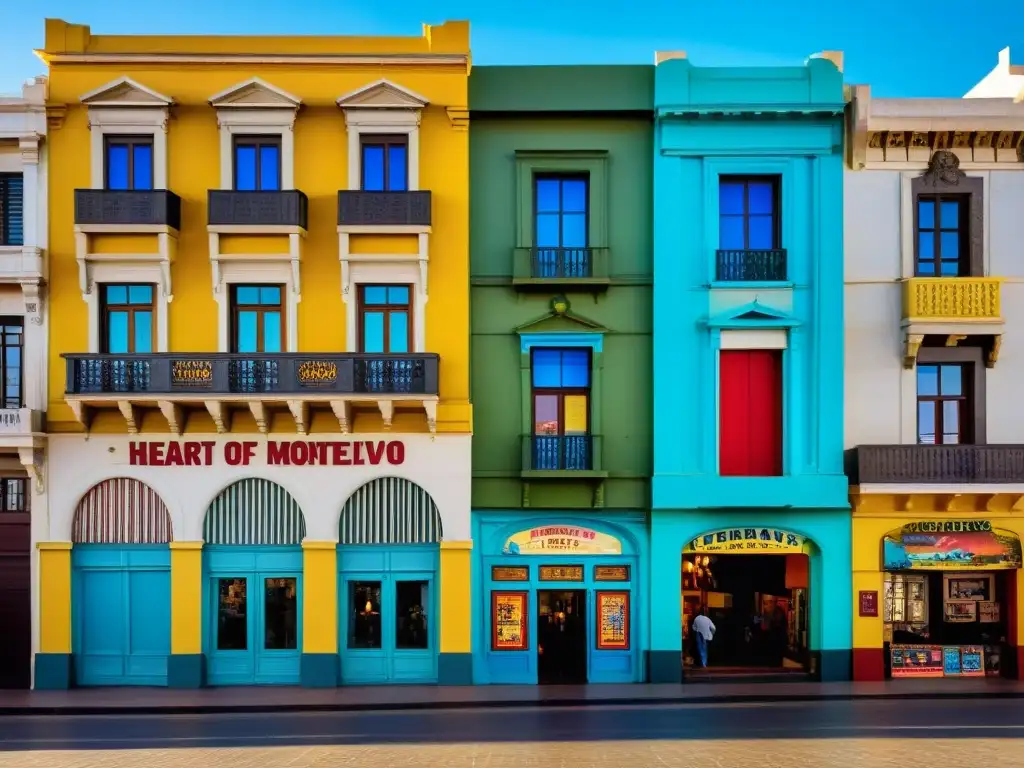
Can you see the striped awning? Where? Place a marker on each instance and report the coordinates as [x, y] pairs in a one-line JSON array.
[[252, 512], [390, 510], [121, 511]]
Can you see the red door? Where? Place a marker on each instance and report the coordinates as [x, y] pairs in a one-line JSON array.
[[750, 412], [15, 600]]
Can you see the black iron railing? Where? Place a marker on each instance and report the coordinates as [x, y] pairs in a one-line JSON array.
[[128, 206], [553, 452], [936, 464], [359, 208], [561, 262], [292, 373], [750, 266], [286, 207]]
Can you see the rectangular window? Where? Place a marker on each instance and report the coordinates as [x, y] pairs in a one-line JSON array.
[[364, 614], [944, 404], [385, 163], [748, 215], [258, 314], [129, 161], [943, 242], [257, 163], [280, 616], [14, 494], [128, 325], [385, 317], [12, 209], [750, 413], [12, 346], [232, 615], [561, 408], [561, 211]]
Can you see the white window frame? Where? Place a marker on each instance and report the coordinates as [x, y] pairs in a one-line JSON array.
[[766, 338], [251, 273], [111, 272], [372, 273]]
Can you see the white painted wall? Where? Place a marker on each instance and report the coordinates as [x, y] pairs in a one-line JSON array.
[[1003, 82]]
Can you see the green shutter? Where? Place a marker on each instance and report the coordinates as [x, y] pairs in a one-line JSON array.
[[252, 512], [390, 510]]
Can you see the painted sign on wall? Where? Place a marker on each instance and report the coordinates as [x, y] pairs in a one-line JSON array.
[[555, 540], [950, 545], [750, 541], [205, 453]]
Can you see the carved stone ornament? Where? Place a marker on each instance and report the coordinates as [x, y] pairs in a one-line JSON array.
[[944, 169]]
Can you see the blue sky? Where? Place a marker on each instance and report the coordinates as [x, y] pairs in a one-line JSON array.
[[939, 49]]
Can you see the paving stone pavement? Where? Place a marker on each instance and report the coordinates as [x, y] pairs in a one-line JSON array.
[[735, 753]]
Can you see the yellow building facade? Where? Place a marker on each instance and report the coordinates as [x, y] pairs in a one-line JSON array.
[[258, 408]]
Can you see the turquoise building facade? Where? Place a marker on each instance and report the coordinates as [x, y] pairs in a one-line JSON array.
[[748, 338]]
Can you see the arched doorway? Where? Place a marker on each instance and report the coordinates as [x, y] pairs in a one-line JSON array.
[[753, 583], [252, 561], [121, 585], [389, 536]]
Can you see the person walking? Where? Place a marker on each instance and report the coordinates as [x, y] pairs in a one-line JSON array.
[[704, 629]]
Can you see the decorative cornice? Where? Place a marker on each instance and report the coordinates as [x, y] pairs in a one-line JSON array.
[[55, 114], [178, 59], [29, 146], [458, 117]]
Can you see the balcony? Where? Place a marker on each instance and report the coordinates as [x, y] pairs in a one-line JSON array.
[[567, 458], [371, 210], [115, 208], [750, 266], [547, 268], [21, 428], [218, 381], [954, 308], [288, 209], [936, 464]]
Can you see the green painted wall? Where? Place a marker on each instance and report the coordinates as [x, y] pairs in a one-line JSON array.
[[500, 127]]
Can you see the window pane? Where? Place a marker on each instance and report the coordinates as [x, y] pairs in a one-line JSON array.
[[545, 414], [245, 168], [576, 414], [397, 168], [398, 294], [247, 339], [373, 332], [398, 332], [375, 294], [142, 170], [949, 214], [949, 268], [247, 294], [951, 422], [730, 233], [364, 614], [232, 615], [373, 167], [270, 295], [117, 166], [272, 341], [574, 196], [925, 246], [117, 294], [951, 380], [547, 230], [270, 177], [926, 214], [574, 230], [926, 423], [927, 380], [140, 294], [949, 242], [143, 331], [280, 623], [926, 269], [117, 332], [547, 368], [575, 368], [547, 195], [730, 197], [761, 197], [411, 601], [762, 235]]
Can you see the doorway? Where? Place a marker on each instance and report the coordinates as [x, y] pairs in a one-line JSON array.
[[562, 637]]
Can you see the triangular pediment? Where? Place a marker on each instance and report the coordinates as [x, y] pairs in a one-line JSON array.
[[125, 92], [255, 94], [561, 323], [382, 94], [753, 313]]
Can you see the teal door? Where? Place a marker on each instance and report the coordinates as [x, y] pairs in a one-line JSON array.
[[387, 627]]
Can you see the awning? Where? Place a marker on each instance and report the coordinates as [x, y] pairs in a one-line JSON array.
[[950, 545]]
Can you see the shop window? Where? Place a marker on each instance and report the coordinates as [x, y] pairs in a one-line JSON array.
[[280, 619], [385, 163], [12, 347], [560, 225], [385, 312], [364, 614], [232, 615], [750, 412], [12, 209], [748, 216], [128, 326], [943, 404], [411, 601], [257, 163], [129, 162], [561, 409]]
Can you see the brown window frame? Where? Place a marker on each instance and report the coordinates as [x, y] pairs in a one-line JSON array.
[[131, 140], [386, 309], [6, 321], [959, 185], [256, 140], [562, 393], [236, 308], [131, 309], [746, 179], [384, 140], [973, 412]]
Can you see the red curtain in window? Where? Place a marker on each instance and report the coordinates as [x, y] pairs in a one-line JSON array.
[[750, 412]]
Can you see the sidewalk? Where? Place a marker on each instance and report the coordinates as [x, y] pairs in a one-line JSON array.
[[142, 701]]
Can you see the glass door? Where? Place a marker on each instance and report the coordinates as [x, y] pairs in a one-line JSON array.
[[362, 628], [277, 630], [231, 660], [412, 609]]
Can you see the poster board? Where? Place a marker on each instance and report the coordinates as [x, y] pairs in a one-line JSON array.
[[916, 660], [972, 661], [509, 625], [613, 621]]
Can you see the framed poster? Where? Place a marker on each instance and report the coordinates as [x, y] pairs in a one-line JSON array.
[[965, 586], [960, 611], [916, 661], [972, 661], [613, 621], [988, 613], [509, 626]]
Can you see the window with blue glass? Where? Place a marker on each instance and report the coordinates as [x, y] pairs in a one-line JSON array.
[[385, 163], [12, 209], [748, 213], [942, 240], [257, 163], [258, 318], [385, 313], [560, 241], [128, 326], [129, 161], [560, 380], [12, 347], [944, 401]]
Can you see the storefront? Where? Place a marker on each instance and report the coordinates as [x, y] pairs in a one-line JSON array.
[[560, 599]]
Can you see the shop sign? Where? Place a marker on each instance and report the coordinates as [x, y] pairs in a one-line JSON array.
[[561, 573], [298, 453], [950, 545], [555, 540], [749, 540], [509, 573], [868, 602], [611, 573]]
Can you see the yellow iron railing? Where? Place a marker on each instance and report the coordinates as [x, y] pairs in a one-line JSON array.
[[971, 299]]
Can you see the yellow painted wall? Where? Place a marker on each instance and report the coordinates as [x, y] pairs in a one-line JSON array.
[[456, 597], [186, 597], [319, 597], [54, 597], [383, 244], [249, 244], [133, 244], [321, 167]]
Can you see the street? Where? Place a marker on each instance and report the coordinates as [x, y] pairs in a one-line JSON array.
[[836, 733]]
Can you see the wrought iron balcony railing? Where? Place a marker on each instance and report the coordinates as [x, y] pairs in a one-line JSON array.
[[952, 299], [231, 374], [286, 207], [359, 208], [562, 452], [550, 266], [953, 464], [750, 266], [157, 207]]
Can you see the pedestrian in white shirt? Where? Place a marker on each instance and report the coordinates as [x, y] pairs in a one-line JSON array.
[[704, 628]]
